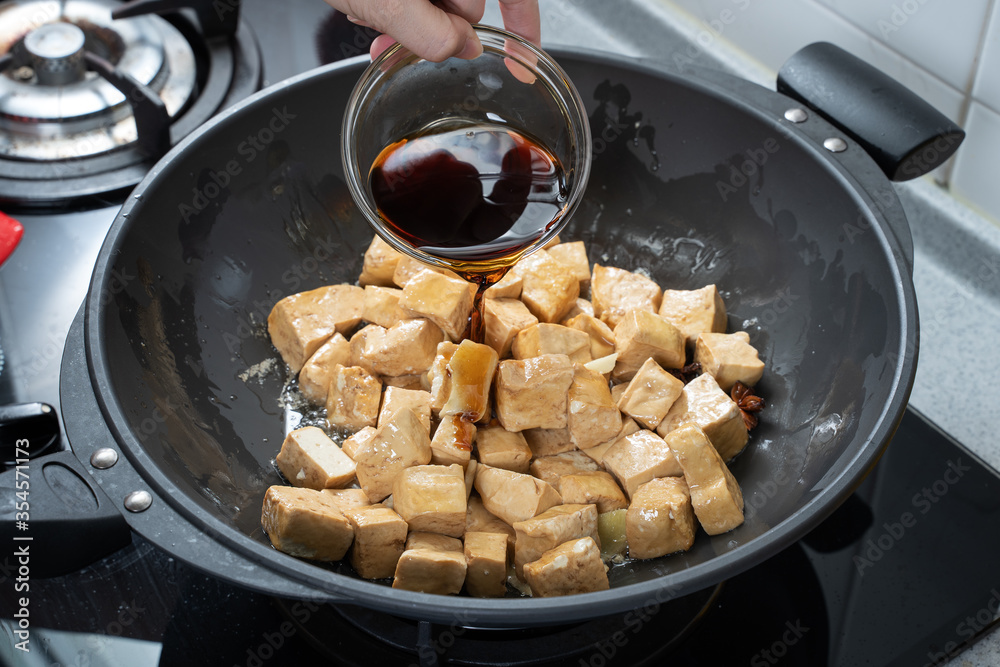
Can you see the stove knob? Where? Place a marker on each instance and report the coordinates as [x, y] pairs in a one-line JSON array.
[[55, 52]]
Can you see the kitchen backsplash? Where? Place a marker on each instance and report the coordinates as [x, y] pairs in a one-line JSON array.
[[946, 51]]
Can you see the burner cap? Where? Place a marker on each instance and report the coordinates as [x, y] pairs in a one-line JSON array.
[[56, 53]]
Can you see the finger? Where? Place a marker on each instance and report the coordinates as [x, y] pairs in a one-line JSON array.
[[380, 44], [427, 30], [522, 17]]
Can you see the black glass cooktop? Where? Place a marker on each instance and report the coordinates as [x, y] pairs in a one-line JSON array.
[[902, 574]]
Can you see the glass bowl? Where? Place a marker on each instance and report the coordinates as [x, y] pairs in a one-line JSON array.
[[513, 92]]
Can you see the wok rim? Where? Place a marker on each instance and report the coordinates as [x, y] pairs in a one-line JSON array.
[[513, 612]]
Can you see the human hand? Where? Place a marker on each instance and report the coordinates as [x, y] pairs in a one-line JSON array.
[[438, 30]]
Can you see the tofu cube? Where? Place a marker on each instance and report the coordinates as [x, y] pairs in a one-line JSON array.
[[438, 377], [305, 523], [353, 398], [629, 426], [553, 468], [347, 499], [300, 323], [704, 404], [499, 448], [381, 306], [470, 477], [715, 494], [373, 333], [452, 441], [660, 519], [431, 498], [573, 256], [379, 537], [479, 520], [415, 382], [650, 393], [548, 289], [486, 559], [406, 348], [433, 541], [581, 307], [309, 458], [513, 496], [547, 338], [508, 287], [615, 292], [602, 338], [641, 335], [430, 571], [379, 263], [594, 487], [395, 399], [551, 528], [407, 268], [548, 441], [472, 367], [352, 444], [314, 378], [730, 358], [591, 416], [398, 444], [532, 393], [445, 301], [503, 319], [694, 311], [638, 458], [571, 568]]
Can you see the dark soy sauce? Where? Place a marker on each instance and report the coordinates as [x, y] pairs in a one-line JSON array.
[[475, 196]]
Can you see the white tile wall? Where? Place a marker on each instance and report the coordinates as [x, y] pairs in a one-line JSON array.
[[948, 52]]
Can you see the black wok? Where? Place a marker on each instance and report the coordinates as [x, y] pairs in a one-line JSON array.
[[697, 178]]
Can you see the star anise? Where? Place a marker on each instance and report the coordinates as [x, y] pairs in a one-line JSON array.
[[686, 374], [749, 403]]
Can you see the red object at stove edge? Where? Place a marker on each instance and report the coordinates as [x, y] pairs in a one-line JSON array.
[[11, 232]]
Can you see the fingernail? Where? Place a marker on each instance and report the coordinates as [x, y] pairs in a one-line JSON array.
[[473, 49]]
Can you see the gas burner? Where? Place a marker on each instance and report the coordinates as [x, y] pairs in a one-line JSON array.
[[92, 92]]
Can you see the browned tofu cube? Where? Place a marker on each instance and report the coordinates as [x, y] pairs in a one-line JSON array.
[[309, 458], [486, 558], [532, 393], [591, 416], [602, 338], [381, 306], [638, 458], [551, 528], [437, 380], [395, 399], [472, 367], [408, 267], [615, 292], [553, 468], [571, 568], [730, 358], [594, 487], [694, 311], [508, 287], [434, 541], [629, 426], [353, 398], [314, 378], [431, 498], [430, 571], [445, 301], [479, 519], [660, 519], [548, 441], [305, 523], [300, 323], [547, 338], [353, 444], [347, 499], [373, 333], [641, 335], [513, 496], [581, 307], [414, 382], [573, 256], [715, 494], [406, 348], [548, 288], [379, 536], [380, 263], [704, 404], [396, 445], [503, 319], [499, 448], [649, 394], [452, 441]]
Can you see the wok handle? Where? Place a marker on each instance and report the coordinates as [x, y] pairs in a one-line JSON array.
[[905, 135], [52, 511]]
